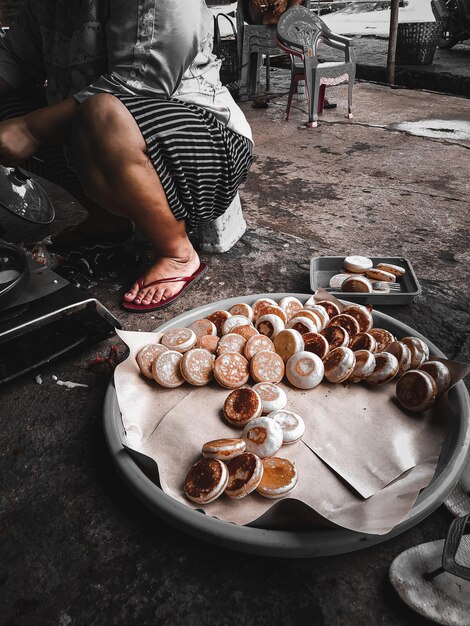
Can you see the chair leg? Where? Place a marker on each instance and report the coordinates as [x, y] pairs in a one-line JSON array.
[[350, 95], [245, 69], [253, 73], [290, 98], [321, 98], [267, 64], [313, 105]]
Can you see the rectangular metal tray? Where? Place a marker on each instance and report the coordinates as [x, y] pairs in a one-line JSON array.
[[322, 268]]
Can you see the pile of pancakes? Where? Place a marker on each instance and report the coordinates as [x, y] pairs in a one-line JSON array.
[[306, 342], [360, 276], [240, 466]]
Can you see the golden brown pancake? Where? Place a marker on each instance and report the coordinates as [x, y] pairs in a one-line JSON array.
[[241, 406], [316, 343], [347, 322], [206, 481], [245, 473], [416, 390]]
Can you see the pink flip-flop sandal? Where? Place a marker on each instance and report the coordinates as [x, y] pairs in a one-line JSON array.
[[187, 281]]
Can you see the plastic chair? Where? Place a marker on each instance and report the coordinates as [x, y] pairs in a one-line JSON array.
[[299, 33], [254, 40]]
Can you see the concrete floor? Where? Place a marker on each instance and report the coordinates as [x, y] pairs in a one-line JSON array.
[[76, 545]]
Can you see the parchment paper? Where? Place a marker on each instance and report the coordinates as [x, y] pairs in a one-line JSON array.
[[387, 439], [142, 402], [177, 441], [170, 426]]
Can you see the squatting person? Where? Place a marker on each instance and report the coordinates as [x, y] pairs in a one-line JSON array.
[[123, 102]]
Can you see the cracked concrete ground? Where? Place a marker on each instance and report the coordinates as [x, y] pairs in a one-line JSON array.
[[76, 545]]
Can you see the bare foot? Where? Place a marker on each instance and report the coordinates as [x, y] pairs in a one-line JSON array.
[[164, 267]]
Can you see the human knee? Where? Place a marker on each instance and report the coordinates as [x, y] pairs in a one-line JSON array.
[[17, 144], [97, 114], [104, 135]]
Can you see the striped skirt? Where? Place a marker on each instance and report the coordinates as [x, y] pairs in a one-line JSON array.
[[200, 163]]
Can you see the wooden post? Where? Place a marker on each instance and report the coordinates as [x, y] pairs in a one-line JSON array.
[[392, 42]]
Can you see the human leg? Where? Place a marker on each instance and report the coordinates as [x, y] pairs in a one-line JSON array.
[[51, 163], [110, 155]]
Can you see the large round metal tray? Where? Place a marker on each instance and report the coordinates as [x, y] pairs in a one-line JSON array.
[[287, 543]]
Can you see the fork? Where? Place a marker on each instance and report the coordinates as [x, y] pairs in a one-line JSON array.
[[379, 286]]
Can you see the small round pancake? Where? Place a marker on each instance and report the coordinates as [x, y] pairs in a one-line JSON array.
[[197, 367], [356, 284], [259, 304], [290, 306], [362, 315], [305, 370], [242, 309], [179, 339], [392, 269], [241, 406], [166, 369], [419, 350], [263, 437], [403, 354], [258, 343], [316, 343], [203, 327], [293, 426], [312, 315], [302, 325], [269, 325], [223, 449], [365, 365], [273, 309], [246, 331], [336, 336], [416, 390], [381, 276], [330, 307], [231, 343], [279, 477], [147, 355], [357, 264], [245, 474], [441, 374], [209, 342], [287, 343], [272, 397], [339, 364], [218, 318], [386, 368], [320, 312], [337, 280], [267, 367], [383, 338], [234, 321], [231, 370], [363, 341], [206, 481], [347, 322]]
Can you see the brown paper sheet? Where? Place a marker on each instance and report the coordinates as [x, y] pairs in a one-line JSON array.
[[141, 401], [363, 435], [388, 440], [177, 441], [170, 426]]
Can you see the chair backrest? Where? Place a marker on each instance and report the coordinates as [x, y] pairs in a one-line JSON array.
[[301, 29]]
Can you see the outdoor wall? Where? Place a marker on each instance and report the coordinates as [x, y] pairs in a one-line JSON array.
[[8, 10]]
